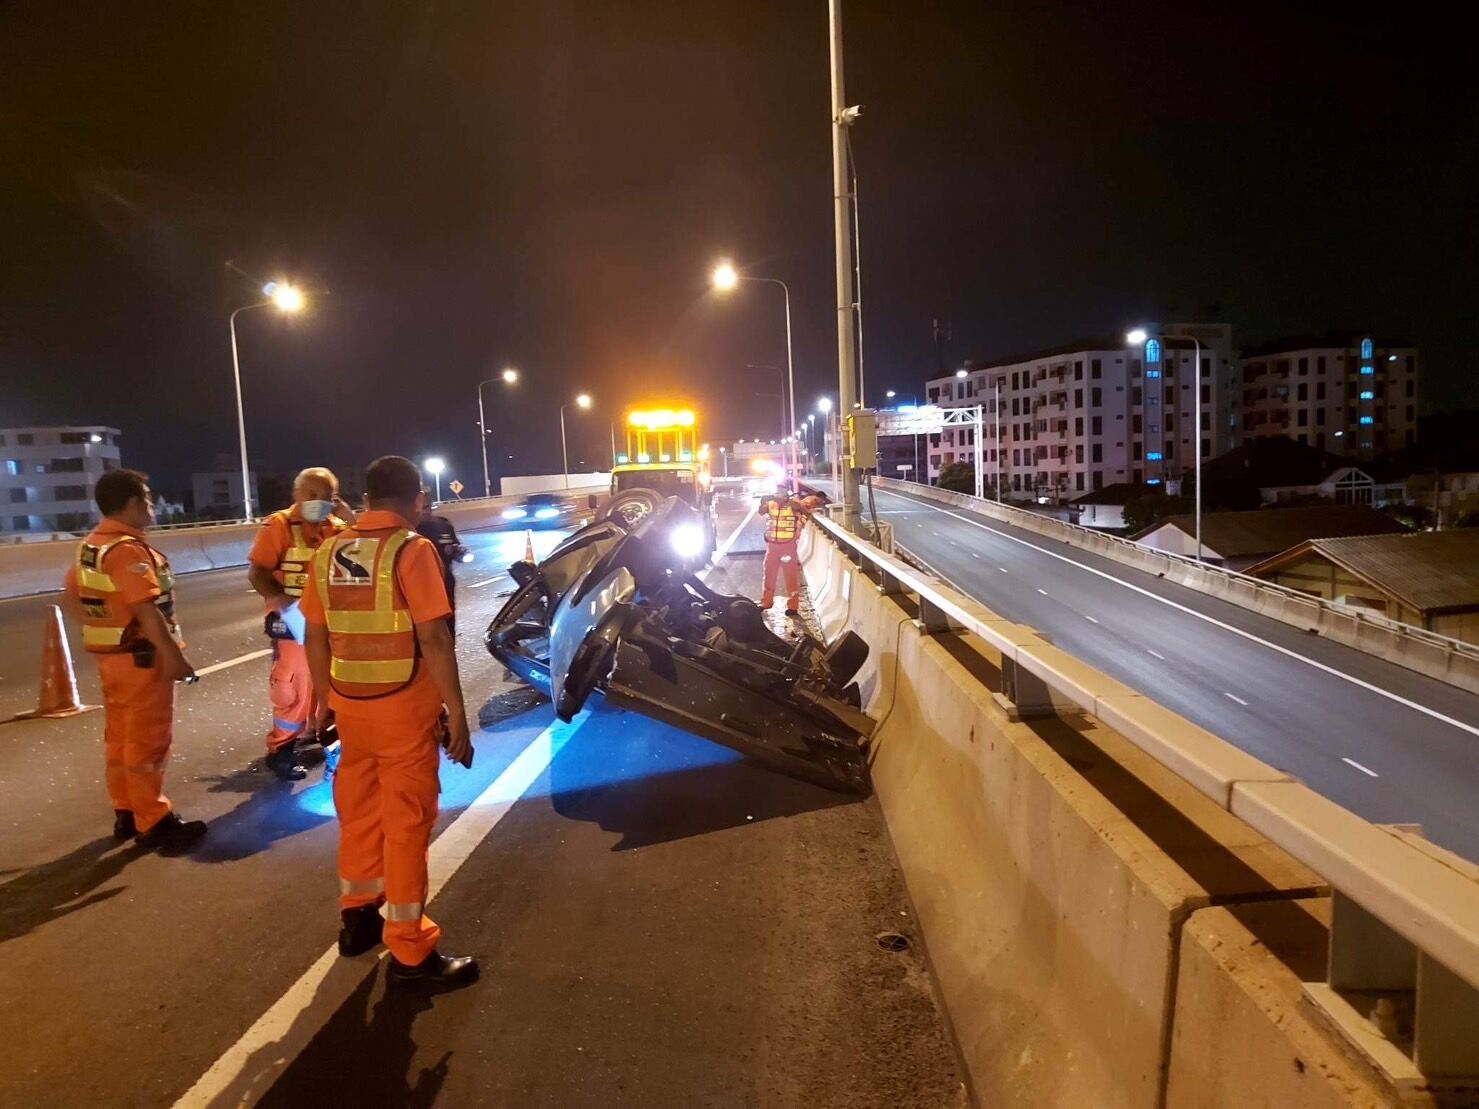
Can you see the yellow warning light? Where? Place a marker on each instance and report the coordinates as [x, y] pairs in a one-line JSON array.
[[661, 419]]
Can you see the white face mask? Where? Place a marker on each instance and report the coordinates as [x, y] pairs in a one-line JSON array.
[[316, 512]]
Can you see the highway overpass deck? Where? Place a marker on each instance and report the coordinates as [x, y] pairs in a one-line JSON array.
[[660, 923], [1390, 744]]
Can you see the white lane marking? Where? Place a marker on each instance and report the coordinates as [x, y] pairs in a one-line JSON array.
[[1044, 592], [1359, 767], [723, 548], [250, 656], [1235, 697], [1342, 675], [487, 581], [1155, 654], [253, 1063], [975, 555], [1090, 619], [1003, 569]]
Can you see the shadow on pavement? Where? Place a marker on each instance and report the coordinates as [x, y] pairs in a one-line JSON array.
[[652, 783], [40, 894], [363, 1057], [272, 811]]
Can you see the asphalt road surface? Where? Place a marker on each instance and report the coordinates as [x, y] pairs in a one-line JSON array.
[[660, 923], [1384, 741]]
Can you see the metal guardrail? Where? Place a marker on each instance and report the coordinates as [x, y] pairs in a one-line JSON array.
[[1406, 913], [1034, 520]]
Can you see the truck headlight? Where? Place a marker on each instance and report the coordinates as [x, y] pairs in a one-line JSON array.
[[688, 540]]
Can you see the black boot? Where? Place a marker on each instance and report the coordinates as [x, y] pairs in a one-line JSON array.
[[360, 929], [123, 825], [284, 763], [172, 836], [435, 972]]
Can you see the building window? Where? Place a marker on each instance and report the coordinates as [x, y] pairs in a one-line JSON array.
[[1135, 395], [1367, 394], [1096, 396], [1320, 364], [1135, 425], [66, 466], [1304, 417], [25, 439], [1367, 370], [1319, 390], [17, 496], [1304, 391], [1096, 452], [1152, 352], [1094, 370], [1078, 425], [1365, 348], [1304, 368], [1411, 387], [70, 493], [1078, 398], [1368, 419], [1319, 417], [12, 467], [1096, 425]]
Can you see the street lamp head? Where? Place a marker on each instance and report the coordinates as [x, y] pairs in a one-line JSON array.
[[510, 376], [1136, 337], [824, 405], [287, 298], [725, 277], [584, 400], [811, 417], [962, 372], [891, 394], [434, 466]]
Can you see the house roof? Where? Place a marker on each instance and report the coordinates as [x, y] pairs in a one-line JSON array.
[[1272, 462], [1121, 492], [1266, 531], [1330, 340], [1430, 571]]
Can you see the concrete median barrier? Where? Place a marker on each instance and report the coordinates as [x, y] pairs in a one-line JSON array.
[[1238, 991], [1053, 863]]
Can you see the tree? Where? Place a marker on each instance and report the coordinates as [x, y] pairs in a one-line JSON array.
[[958, 477], [1143, 512]]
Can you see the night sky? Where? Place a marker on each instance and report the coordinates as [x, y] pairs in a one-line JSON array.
[[546, 185]]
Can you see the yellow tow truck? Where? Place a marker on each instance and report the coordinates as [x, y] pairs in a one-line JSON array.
[[664, 458]]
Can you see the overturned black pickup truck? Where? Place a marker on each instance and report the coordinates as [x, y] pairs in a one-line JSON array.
[[618, 610]]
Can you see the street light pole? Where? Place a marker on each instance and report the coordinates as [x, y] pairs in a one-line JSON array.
[[726, 277], [582, 401], [842, 117], [246, 480], [285, 298]]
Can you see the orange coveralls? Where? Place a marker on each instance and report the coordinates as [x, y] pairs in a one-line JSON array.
[[289, 685], [138, 703], [386, 786], [783, 521]]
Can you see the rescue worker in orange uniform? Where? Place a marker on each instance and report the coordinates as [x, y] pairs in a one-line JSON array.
[[784, 515], [280, 560], [383, 660], [124, 592]]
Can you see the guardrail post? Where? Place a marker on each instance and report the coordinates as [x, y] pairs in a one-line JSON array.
[[1364, 953], [1025, 696], [933, 620]]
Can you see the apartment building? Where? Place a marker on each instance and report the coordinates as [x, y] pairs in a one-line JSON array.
[[1091, 414], [47, 476], [1351, 395]]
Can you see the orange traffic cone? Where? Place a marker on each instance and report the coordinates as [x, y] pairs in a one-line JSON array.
[[58, 677], [529, 545]]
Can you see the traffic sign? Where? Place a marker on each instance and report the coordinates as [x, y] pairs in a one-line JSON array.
[[456, 487]]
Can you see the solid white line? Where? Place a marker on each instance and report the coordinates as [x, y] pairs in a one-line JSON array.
[[1090, 619], [488, 581], [1003, 569], [1235, 697], [724, 547], [1424, 709], [1359, 767], [250, 1066], [250, 656], [1044, 592], [1155, 654]]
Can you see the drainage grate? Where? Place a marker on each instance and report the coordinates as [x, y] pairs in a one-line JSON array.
[[892, 941]]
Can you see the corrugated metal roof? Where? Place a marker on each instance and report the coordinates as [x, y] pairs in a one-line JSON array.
[[1266, 531], [1427, 570]]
